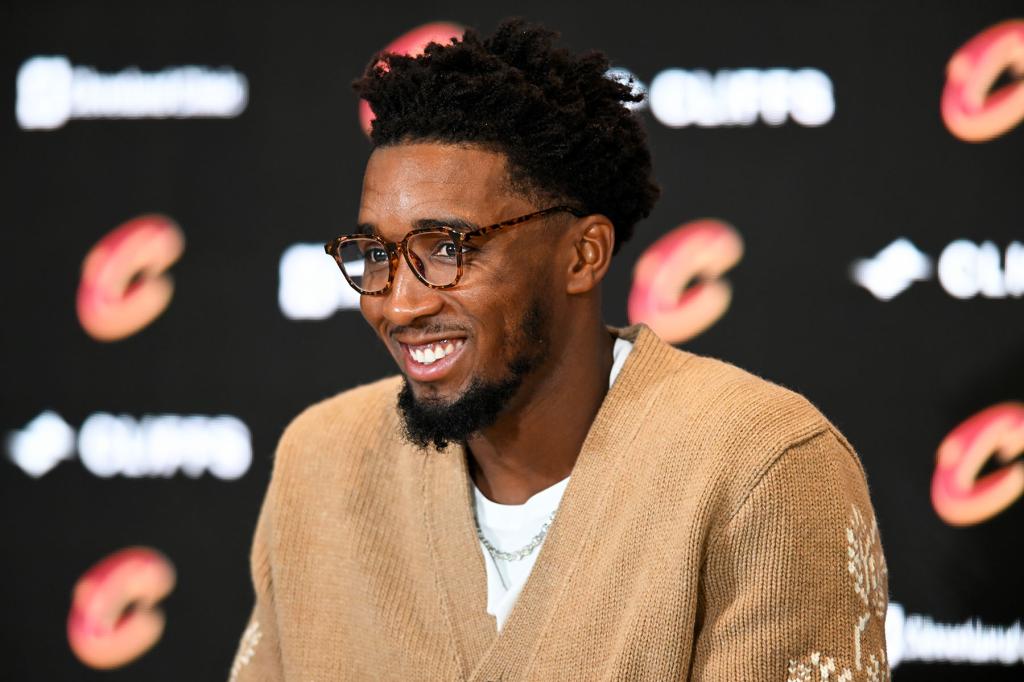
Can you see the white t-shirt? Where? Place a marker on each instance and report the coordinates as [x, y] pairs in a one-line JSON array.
[[509, 527]]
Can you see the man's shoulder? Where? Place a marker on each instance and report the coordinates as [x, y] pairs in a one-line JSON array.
[[720, 397], [723, 428], [735, 395], [751, 412], [724, 419]]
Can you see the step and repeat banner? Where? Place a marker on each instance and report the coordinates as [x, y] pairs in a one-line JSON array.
[[841, 213]]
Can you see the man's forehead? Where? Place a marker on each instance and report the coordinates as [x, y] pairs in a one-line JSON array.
[[429, 176]]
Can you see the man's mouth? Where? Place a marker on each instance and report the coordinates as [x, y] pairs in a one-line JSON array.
[[430, 361]]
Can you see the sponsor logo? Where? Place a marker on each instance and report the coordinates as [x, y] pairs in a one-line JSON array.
[[678, 290], [735, 97], [971, 109], [960, 495], [152, 446], [893, 270], [124, 285], [965, 269], [114, 617], [51, 91], [918, 638]]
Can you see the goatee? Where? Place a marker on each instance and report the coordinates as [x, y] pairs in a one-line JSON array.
[[429, 422]]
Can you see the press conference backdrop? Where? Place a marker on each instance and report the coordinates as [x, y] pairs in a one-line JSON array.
[[841, 213]]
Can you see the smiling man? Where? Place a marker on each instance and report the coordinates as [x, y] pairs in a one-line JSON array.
[[537, 495]]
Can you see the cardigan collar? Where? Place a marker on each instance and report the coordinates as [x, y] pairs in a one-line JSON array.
[[455, 552]]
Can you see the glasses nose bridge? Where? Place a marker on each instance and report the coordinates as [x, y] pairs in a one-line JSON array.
[[399, 252], [406, 298]]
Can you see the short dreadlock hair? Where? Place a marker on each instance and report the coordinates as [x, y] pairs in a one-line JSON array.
[[560, 120]]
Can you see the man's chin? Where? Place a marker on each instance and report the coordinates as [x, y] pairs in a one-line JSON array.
[[434, 394], [441, 413], [431, 417]]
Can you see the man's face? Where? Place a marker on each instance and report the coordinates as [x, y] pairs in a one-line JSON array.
[[494, 324]]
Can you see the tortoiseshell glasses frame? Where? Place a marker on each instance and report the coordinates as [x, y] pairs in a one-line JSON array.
[[458, 239]]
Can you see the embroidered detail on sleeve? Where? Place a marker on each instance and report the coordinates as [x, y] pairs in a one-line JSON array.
[[816, 667], [821, 668], [246, 649], [866, 564], [868, 573]]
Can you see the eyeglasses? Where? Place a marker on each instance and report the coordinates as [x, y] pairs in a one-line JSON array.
[[434, 254]]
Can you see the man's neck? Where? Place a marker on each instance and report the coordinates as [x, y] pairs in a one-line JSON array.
[[536, 441]]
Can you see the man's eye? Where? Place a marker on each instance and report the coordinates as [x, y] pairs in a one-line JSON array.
[[376, 255], [446, 249]]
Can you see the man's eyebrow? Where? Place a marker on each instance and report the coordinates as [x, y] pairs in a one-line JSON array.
[[457, 223]]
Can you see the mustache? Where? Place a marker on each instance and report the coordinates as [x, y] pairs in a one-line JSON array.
[[429, 328]]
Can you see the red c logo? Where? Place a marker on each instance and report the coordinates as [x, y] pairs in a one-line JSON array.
[[123, 287], [959, 496], [969, 110], [700, 250], [113, 619], [413, 43]]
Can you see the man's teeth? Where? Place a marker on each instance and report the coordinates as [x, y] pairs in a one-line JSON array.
[[433, 352]]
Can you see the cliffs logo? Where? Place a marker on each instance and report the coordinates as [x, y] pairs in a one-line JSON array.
[[971, 109]]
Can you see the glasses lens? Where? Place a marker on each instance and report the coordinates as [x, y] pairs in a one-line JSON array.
[[435, 255], [365, 262]]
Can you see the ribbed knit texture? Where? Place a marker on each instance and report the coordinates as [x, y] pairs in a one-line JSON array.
[[716, 527]]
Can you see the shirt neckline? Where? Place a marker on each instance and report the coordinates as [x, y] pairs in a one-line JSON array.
[[454, 548], [499, 516]]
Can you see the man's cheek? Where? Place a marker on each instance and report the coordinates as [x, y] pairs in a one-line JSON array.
[[369, 308], [366, 310]]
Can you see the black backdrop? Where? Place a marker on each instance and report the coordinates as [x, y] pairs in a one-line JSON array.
[[895, 376]]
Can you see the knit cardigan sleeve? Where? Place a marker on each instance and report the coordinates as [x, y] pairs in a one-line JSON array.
[[258, 658], [795, 584]]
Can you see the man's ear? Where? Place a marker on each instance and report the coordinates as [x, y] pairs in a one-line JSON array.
[[592, 243]]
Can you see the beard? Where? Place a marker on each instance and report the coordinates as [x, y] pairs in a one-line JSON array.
[[434, 422]]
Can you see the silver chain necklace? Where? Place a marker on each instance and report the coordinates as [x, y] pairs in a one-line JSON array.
[[520, 553]]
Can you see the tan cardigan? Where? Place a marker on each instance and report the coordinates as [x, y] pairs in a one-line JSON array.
[[716, 527]]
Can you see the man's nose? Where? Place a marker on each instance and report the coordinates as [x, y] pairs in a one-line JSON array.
[[408, 298]]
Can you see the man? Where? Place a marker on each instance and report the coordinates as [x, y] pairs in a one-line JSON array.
[[539, 496]]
